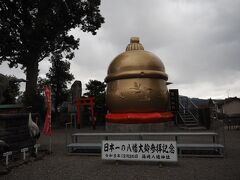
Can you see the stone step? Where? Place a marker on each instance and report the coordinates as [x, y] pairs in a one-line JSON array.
[[190, 122], [192, 125], [186, 115], [189, 119]]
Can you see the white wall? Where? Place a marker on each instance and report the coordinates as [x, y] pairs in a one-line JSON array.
[[231, 108]]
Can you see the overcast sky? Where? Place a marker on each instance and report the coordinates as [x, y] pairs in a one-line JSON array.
[[197, 40]]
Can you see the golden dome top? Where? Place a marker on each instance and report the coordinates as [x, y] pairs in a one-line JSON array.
[[134, 44], [136, 63]]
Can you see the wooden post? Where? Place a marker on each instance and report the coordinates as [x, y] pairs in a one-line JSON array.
[[24, 150], [36, 146], [6, 155]]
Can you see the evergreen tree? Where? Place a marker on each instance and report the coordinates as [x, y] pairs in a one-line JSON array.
[[30, 30], [58, 77], [96, 89], [12, 92]]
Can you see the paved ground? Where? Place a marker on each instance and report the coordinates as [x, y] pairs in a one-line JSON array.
[[60, 166]]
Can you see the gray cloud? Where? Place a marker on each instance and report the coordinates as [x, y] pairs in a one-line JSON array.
[[198, 41]]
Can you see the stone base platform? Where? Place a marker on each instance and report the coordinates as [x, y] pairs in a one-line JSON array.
[[146, 127]]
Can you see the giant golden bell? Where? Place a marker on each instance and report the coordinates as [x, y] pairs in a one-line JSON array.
[[136, 81]]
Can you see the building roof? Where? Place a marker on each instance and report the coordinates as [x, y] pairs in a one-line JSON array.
[[221, 102]]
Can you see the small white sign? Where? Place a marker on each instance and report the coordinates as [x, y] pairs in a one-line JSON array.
[[140, 150]]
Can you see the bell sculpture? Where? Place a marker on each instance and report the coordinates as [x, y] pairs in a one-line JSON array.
[[137, 87]]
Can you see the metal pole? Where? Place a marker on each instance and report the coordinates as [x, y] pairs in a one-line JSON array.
[[224, 143], [66, 134], [50, 144], [66, 131]]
